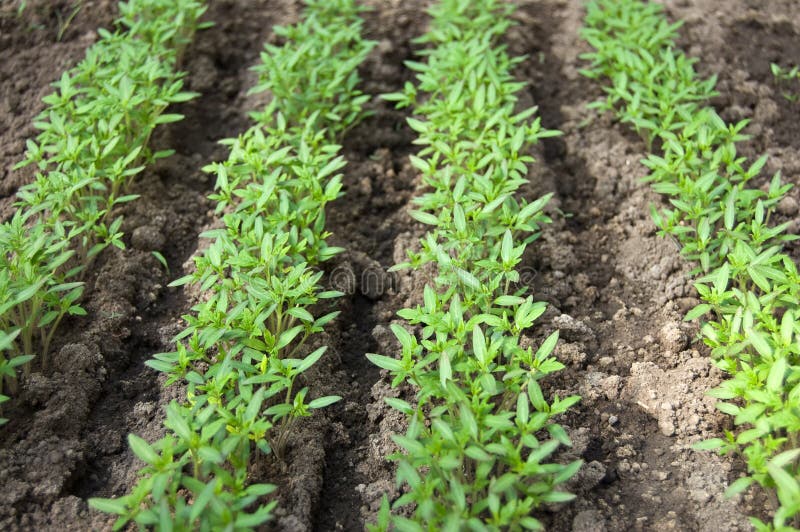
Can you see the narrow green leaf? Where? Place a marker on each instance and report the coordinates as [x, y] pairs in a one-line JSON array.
[[322, 402], [385, 362], [142, 449]]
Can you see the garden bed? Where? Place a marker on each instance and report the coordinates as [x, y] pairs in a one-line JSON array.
[[616, 291]]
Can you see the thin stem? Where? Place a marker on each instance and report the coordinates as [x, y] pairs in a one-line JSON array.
[[299, 345], [46, 343]]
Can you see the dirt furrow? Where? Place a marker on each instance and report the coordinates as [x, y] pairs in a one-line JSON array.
[[367, 222], [618, 293]]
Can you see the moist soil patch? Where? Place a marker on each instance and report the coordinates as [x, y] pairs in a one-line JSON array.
[[616, 291]]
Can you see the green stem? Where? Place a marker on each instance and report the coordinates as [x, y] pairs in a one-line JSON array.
[[298, 346], [48, 340]]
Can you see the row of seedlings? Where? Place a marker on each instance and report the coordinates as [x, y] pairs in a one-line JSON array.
[[478, 452], [720, 216], [93, 141], [242, 356], [7, 365]]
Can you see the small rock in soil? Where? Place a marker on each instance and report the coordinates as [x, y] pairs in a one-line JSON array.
[[384, 338], [673, 338], [685, 304], [572, 329], [589, 476], [589, 521], [788, 206], [571, 353], [147, 238], [37, 390], [77, 357]]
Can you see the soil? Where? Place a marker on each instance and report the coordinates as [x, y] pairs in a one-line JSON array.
[[616, 291]]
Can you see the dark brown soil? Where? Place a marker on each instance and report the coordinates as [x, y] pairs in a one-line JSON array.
[[617, 292]]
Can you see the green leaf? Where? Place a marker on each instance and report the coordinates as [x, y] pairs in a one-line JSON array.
[[322, 402], [459, 219], [160, 258], [392, 364], [738, 486], [186, 279], [522, 408], [160, 365], [411, 445], [301, 314], [168, 118], [109, 506], [536, 397], [287, 336], [788, 486], [126, 198], [477, 454], [20, 360], [479, 344], [509, 301], [210, 454], [547, 346], [557, 497], [786, 458], [399, 404], [696, 312], [708, 445], [760, 343], [142, 449], [417, 125], [506, 247], [445, 371], [259, 490], [424, 217], [728, 408], [568, 472], [178, 423], [311, 359], [202, 500], [7, 339], [776, 375], [28, 292], [468, 279], [402, 335]]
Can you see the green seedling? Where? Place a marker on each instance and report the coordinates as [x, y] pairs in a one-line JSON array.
[[35, 291], [478, 453], [244, 355], [161, 260], [326, 61], [92, 142], [784, 77], [748, 284], [64, 23]]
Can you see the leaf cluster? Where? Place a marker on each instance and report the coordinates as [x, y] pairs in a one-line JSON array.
[[318, 75], [746, 281], [244, 352], [92, 141], [478, 452]]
